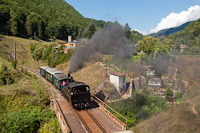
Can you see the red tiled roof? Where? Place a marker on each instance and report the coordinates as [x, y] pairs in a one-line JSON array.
[[117, 73]]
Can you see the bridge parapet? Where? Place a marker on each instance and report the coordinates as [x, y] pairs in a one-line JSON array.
[[107, 109]]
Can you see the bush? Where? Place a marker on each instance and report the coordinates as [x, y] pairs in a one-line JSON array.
[[179, 95], [169, 92], [24, 120], [33, 47], [4, 75], [51, 127], [14, 64]]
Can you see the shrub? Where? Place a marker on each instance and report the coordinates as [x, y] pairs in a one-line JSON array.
[[179, 95], [169, 92], [14, 64], [51, 127], [33, 47], [24, 120]]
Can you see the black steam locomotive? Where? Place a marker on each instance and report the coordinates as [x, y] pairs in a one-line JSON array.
[[78, 93]]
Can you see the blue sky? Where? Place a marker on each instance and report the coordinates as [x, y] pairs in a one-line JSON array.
[[144, 15]]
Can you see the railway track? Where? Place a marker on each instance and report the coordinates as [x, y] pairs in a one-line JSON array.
[[88, 120], [32, 70]]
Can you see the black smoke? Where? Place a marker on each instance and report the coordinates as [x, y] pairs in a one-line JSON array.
[[111, 40], [160, 62]]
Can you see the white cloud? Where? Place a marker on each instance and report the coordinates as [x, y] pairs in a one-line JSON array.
[[141, 32], [177, 19]]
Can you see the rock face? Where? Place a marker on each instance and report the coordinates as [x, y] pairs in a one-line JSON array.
[[107, 91], [136, 84], [171, 75], [179, 85], [139, 83], [130, 89]]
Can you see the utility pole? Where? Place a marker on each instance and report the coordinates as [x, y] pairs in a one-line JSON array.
[[14, 51], [7, 30], [34, 35], [30, 40]]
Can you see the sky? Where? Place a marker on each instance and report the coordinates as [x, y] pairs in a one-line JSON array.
[[145, 16]]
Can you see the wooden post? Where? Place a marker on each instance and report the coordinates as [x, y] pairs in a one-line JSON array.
[[14, 51]]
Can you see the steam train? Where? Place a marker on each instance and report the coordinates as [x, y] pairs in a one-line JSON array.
[[78, 93]]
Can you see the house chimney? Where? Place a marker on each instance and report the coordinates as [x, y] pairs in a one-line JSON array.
[[69, 38]]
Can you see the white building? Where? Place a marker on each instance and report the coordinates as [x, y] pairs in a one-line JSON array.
[[118, 80], [155, 82], [150, 72]]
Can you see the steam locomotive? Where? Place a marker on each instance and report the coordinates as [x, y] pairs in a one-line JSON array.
[[77, 93]]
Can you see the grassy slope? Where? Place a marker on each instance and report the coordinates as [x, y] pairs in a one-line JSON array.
[[26, 91], [22, 50], [180, 118]]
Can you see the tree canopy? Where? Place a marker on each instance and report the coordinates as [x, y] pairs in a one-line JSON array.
[[43, 18]]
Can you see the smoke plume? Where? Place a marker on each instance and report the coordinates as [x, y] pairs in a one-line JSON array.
[[111, 40]]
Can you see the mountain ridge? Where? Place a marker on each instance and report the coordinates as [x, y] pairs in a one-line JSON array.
[[169, 31]]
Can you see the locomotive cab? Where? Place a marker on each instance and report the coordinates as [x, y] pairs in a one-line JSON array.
[[78, 94]]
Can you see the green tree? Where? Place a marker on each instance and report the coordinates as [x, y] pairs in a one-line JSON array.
[[169, 91], [28, 27], [127, 31], [13, 26], [91, 30]]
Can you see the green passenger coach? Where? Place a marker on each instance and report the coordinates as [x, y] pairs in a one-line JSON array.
[[43, 70], [50, 72], [59, 80]]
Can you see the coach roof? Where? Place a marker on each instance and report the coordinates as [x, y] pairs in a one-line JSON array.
[[53, 71], [44, 67], [60, 76]]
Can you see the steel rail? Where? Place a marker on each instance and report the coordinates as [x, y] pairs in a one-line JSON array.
[[98, 123], [82, 121]]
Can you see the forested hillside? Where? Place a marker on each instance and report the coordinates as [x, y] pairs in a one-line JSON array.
[[44, 18], [190, 36]]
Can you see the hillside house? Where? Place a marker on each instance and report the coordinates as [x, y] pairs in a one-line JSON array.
[[141, 53], [66, 46], [182, 47], [118, 80]]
